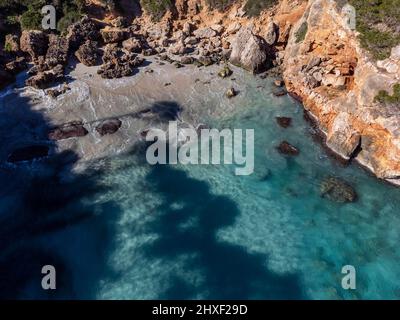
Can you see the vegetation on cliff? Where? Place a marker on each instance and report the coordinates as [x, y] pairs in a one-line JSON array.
[[157, 8], [26, 14], [378, 22], [385, 98]]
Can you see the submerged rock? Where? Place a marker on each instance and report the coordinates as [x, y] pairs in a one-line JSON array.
[[109, 126], [29, 153], [68, 130], [337, 190], [284, 122], [287, 149]]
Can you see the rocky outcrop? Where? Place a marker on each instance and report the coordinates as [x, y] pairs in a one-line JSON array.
[[89, 53], [58, 51], [250, 51], [338, 82], [34, 42], [44, 79], [118, 62], [85, 29]]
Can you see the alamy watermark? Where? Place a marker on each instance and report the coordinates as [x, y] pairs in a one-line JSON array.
[[202, 146]]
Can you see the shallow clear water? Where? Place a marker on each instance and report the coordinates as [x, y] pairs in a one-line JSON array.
[[124, 229]]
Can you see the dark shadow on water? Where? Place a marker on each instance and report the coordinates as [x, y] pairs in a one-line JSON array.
[[188, 226], [44, 216]]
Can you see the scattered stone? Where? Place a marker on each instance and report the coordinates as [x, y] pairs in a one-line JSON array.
[[148, 52], [205, 61], [337, 190], [225, 72], [109, 127], [187, 60], [284, 122], [205, 33], [231, 93], [68, 130], [287, 149], [279, 83]]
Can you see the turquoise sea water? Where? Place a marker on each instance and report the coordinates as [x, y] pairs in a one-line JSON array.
[[126, 230]]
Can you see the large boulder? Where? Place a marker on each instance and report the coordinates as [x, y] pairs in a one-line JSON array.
[[205, 33], [250, 51], [271, 34], [88, 53], [34, 42]]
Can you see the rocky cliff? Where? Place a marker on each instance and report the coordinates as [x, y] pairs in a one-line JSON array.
[[338, 82]]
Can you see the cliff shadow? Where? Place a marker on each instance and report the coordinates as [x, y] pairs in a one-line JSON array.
[[190, 219], [46, 213]]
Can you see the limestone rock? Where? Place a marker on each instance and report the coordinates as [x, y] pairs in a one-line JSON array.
[[88, 53], [271, 34], [249, 51], [205, 33]]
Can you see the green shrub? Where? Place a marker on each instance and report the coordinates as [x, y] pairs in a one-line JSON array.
[[8, 47], [302, 32], [220, 4], [31, 19], [371, 14], [253, 8], [385, 98], [157, 8]]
